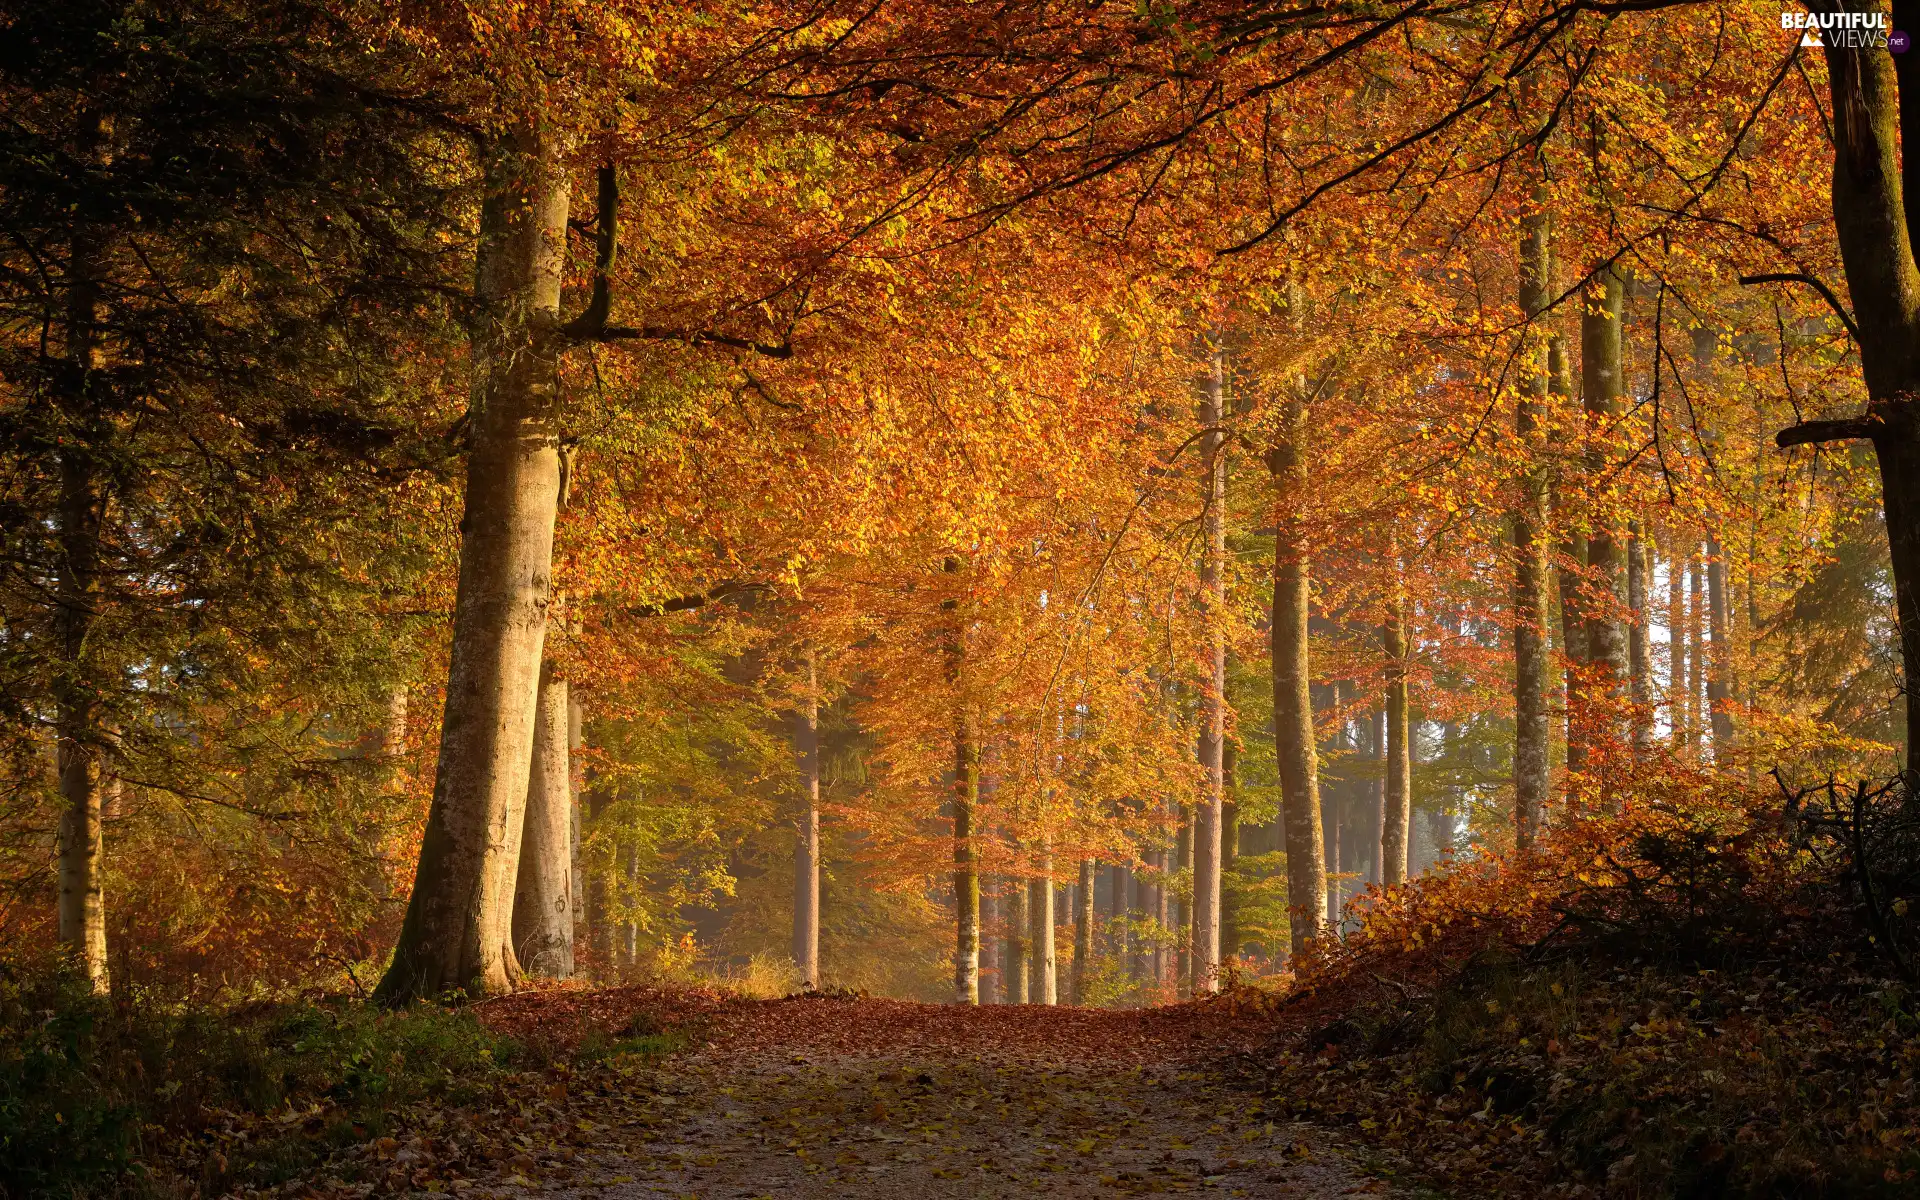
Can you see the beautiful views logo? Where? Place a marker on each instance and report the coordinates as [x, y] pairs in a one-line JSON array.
[[1843, 30]]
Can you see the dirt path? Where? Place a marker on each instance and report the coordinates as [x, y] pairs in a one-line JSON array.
[[871, 1098]]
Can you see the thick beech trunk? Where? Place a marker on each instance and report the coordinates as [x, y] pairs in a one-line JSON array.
[[1083, 919], [1396, 836], [806, 841], [1531, 569], [455, 933], [1204, 950], [543, 900], [1293, 734]]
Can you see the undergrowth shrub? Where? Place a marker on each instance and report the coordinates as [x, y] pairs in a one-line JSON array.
[[1689, 997], [95, 1090]]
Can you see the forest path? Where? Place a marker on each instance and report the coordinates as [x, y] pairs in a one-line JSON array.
[[829, 1098]]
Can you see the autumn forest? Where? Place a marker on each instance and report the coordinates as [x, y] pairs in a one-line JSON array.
[[948, 598]]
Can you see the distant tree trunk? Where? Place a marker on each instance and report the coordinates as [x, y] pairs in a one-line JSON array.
[[455, 933], [806, 842], [966, 800], [1719, 658], [1205, 942], [81, 392], [1639, 637], [1083, 931], [992, 945], [1293, 733], [1020, 961], [543, 898], [1121, 883], [1330, 808], [1377, 796], [1161, 907], [1230, 853], [1179, 917], [1696, 656], [1676, 645], [1532, 781], [1395, 839], [576, 722], [1044, 987], [1602, 383]]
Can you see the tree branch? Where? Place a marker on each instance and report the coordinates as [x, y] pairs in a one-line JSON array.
[[1826, 293], [695, 600], [693, 337], [1807, 433], [593, 321]]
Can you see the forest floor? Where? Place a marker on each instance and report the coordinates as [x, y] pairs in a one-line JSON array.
[[820, 1097]]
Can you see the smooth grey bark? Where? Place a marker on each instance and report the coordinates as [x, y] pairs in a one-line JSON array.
[[806, 842], [1083, 919], [576, 723], [966, 801], [1019, 960], [1696, 650], [1229, 855], [1602, 384], [1205, 947], [1293, 732], [1395, 839], [1719, 655], [1043, 987], [1532, 778], [1676, 646], [1639, 636], [455, 936], [543, 898]]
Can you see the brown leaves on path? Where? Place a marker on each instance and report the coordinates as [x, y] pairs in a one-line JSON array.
[[819, 1097]]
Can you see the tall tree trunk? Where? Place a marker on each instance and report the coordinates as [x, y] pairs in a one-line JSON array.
[[1083, 918], [543, 897], [1330, 806], [576, 723], [1180, 914], [1229, 853], [1045, 985], [1377, 789], [1532, 781], [1161, 906], [992, 949], [1602, 383], [1395, 837], [78, 678], [1293, 734], [966, 801], [1205, 948], [806, 842], [1639, 636], [1719, 657], [1696, 656], [455, 933], [1020, 961], [1676, 646], [1122, 886]]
